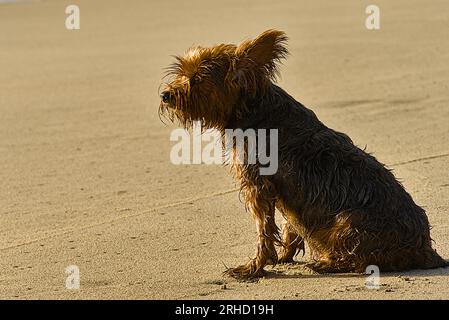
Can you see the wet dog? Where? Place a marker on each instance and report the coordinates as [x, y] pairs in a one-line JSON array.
[[346, 205]]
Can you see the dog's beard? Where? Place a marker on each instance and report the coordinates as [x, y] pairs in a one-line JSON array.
[[175, 113], [186, 110]]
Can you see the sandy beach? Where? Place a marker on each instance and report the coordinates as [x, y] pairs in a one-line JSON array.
[[84, 158]]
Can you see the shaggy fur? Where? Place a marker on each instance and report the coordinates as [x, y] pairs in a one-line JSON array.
[[345, 204]]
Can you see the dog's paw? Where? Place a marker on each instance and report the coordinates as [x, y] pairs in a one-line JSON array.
[[247, 272], [285, 259], [286, 254], [322, 266], [315, 266]]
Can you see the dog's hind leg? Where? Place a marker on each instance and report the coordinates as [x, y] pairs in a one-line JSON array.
[[263, 209], [292, 244]]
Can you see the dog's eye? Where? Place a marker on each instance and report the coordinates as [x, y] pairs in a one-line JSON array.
[[195, 80]]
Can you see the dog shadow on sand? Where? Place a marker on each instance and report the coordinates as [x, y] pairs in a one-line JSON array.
[[299, 269]]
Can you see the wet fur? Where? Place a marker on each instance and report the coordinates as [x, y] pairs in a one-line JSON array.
[[338, 198]]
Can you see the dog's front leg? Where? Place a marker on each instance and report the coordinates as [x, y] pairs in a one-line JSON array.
[[262, 209], [292, 243]]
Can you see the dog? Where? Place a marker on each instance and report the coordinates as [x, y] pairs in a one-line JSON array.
[[346, 205]]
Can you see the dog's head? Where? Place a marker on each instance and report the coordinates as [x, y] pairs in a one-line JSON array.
[[207, 84]]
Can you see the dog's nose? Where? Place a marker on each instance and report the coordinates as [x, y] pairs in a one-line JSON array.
[[165, 96]]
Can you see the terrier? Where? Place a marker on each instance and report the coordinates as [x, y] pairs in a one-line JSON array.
[[347, 206]]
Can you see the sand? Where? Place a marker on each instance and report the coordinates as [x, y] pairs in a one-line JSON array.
[[85, 170]]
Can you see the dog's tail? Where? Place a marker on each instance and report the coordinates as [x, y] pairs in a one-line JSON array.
[[434, 260]]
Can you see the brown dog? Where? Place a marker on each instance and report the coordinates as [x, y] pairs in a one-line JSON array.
[[347, 206]]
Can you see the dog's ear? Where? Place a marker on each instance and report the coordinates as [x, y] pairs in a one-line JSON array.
[[258, 57]]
